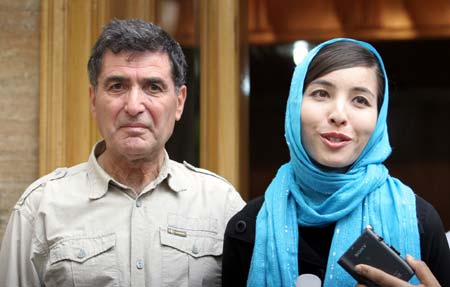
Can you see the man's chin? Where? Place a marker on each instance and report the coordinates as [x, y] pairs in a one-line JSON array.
[[137, 152], [134, 145], [135, 148]]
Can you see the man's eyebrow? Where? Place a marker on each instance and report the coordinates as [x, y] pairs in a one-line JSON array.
[[112, 79]]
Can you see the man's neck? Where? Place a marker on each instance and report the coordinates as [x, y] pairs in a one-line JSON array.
[[136, 174]]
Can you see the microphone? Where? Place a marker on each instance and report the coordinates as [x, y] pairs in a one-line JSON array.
[[308, 280]]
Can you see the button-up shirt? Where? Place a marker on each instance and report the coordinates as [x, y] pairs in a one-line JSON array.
[[79, 227]]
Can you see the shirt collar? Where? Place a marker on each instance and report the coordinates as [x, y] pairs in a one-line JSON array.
[[170, 173], [176, 180], [99, 179]]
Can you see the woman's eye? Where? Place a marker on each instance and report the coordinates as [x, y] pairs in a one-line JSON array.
[[361, 101], [319, 93]]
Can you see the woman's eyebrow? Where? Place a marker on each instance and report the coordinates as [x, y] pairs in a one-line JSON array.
[[330, 84], [365, 91], [322, 82]]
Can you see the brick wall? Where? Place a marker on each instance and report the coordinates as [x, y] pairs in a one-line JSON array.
[[19, 100]]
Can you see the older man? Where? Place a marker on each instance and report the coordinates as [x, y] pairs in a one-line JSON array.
[[129, 216]]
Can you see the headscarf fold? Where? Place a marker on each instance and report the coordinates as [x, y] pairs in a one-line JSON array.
[[303, 194]]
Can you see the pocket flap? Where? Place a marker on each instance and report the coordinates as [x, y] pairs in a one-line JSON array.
[[81, 249], [194, 245]]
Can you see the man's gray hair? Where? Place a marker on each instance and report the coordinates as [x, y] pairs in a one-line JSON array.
[[136, 36]]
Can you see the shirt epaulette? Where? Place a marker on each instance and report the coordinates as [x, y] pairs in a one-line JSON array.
[[204, 171], [56, 174]]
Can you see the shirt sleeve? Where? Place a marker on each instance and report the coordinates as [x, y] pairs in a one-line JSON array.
[[16, 267], [234, 204]]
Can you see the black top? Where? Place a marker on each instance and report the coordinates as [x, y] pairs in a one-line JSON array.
[[315, 242]]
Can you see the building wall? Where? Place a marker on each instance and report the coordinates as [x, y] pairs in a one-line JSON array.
[[19, 100]]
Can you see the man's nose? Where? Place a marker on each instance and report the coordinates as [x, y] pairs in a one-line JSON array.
[[134, 102]]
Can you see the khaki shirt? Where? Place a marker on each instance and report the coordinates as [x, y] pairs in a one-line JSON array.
[[79, 227]]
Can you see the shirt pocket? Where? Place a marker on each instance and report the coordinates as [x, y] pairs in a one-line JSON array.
[[191, 252], [83, 261]]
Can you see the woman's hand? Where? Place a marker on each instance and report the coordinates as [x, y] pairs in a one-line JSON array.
[[383, 279]]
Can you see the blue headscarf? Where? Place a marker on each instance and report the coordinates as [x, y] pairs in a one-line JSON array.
[[303, 194]]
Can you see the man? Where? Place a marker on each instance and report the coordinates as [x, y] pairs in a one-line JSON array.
[[129, 216]]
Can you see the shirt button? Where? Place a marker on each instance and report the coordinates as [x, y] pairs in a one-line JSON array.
[[138, 203], [81, 253], [195, 250], [240, 226], [140, 264]]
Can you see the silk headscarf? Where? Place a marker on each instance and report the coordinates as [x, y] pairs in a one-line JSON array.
[[303, 194]]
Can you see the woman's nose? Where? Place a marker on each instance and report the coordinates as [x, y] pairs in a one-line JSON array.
[[337, 115]]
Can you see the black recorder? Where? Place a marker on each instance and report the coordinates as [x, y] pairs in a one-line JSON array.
[[370, 249]]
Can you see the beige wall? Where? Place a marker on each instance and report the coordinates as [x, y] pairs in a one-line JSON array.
[[19, 100]]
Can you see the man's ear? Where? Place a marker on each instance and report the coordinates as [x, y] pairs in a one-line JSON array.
[[181, 99], [92, 101]]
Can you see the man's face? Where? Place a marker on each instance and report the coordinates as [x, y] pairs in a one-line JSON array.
[[136, 104]]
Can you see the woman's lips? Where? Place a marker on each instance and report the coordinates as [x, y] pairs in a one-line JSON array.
[[335, 140]]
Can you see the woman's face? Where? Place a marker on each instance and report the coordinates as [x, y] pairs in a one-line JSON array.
[[338, 115]]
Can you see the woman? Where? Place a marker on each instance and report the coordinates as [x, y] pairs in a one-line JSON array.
[[335, 183]]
